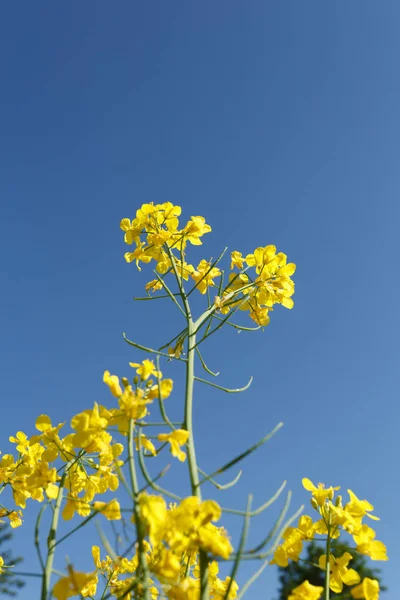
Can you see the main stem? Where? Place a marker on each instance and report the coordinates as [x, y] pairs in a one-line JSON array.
[[51, 542], [327, 563], [138, 521], [188, 420], [192, 462]]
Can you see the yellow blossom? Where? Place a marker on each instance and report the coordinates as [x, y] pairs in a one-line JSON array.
[[367, 545], [368, 589], [113, 383], [153, 511], [359, 508], [146, 369], [237, 260], [75, 584], [204, 276], [319, 492], [111, 510], [176, 439], [154, 285], [306, 591], [195, 229], [339, 573]]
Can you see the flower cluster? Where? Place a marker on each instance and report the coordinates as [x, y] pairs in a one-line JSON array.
[[88, 454], [334, 518], [156, 234], [175, 536]]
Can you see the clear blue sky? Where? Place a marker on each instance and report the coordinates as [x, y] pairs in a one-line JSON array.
[[277, 121]]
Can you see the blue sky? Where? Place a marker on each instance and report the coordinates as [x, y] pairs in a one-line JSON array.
[[279, 123]]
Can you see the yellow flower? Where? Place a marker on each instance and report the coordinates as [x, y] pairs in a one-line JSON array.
[[187, 589], [154, 285], [1, 565], [214, 540], [73, 505], [146, 369], [176, 439], [204, 276], [261, 257], [164, 386], [75, 584], [111, 510], [359, 508], [367, 545], [15, 518], [368, 589], [113, 383], [195, 229], [132, 230], [153, 511], [319, 492], [237, 260], [290, 549], [146, 444], [166, 565], [306, 591], [339, 573]]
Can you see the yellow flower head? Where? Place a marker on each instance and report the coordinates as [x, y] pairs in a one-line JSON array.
[[113, 383], [368, 589], [195, 229], [319, 492], [339, 573], [204, 276], [237, 260], [146, 369], [367, 545], [75, 584], [306, 591], [359, 508], [176, 439], [111, 510]]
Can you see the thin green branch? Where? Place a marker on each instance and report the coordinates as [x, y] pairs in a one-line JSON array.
[[147, 477], [221, 486], [81, 524], [259, 510], [105, 542], [51, 541], [239, 327], [138, 521], [207, 272], [156, 478], [224, 389], [203, 364], [275, 528], [144, 298], [252, 579], [37, 537], [151, 350], [246, 453], [170, 294], [160, 398], [242, 543]]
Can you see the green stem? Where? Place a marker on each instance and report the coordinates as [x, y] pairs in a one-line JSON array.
[[192, 462], [327, 563], [51, 541], [138, 521]]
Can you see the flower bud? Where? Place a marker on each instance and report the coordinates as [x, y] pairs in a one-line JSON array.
[[338, 501], [314, 503], [135, 380]]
